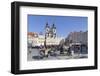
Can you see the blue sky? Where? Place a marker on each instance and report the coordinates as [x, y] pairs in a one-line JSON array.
[[64, 24]]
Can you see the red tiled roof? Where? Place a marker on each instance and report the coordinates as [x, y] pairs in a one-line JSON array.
[[32, 33]]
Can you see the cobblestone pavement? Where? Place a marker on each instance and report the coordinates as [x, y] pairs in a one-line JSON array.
[[34, 55]]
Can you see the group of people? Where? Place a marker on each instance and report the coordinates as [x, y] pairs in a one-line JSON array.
[[53, 49]]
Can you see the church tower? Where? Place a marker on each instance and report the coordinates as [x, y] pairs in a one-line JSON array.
[[53, 30], [50, 31], [47, 29]]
